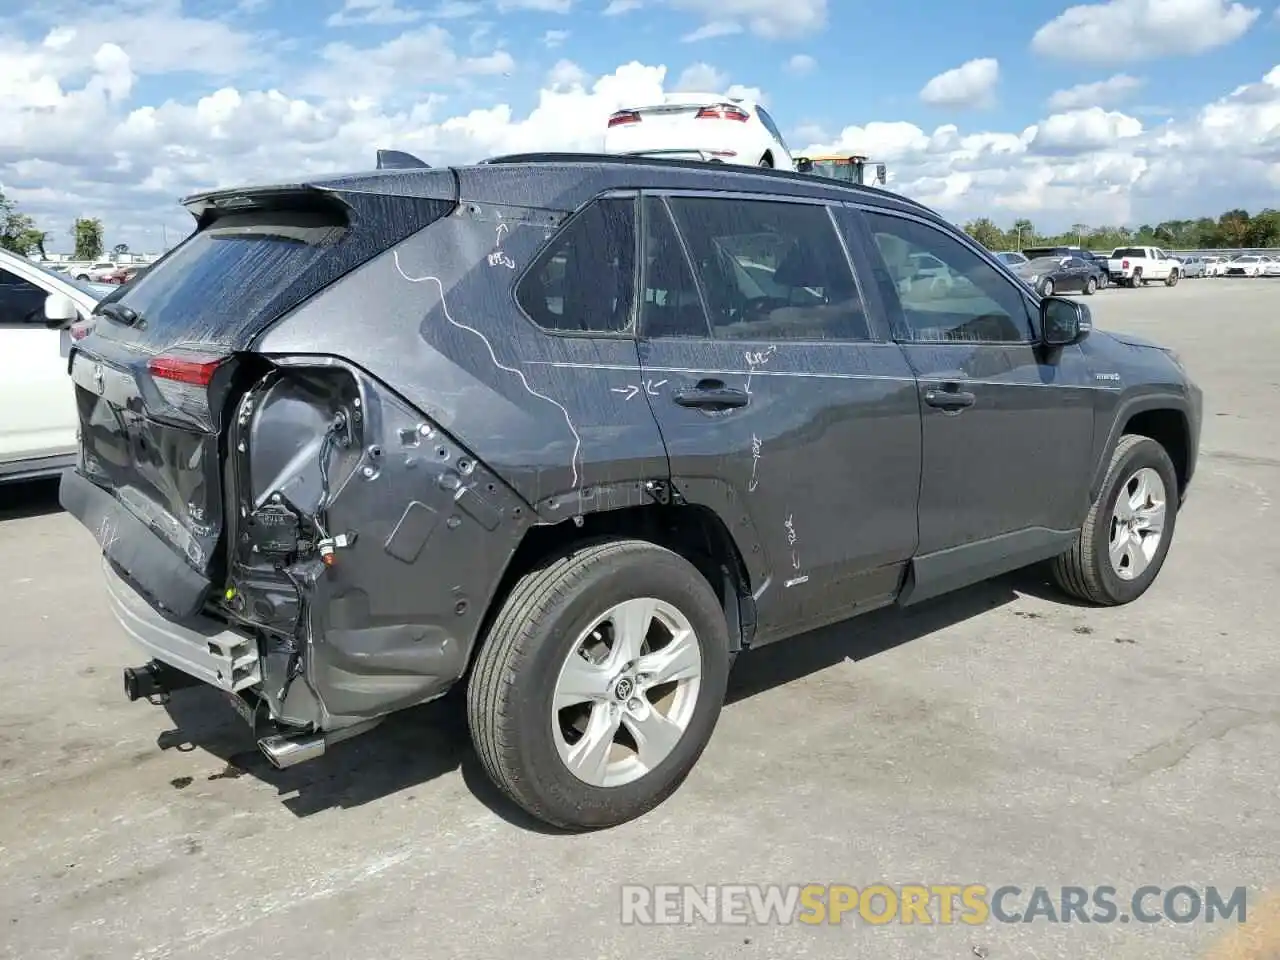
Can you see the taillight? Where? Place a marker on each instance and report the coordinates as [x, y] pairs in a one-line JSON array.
[[1124, 264], [183, 379], [81, 329], [194, 371], [624, 117], [724, 111]]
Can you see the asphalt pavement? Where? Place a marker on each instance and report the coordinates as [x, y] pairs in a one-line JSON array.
[[1000, 736]]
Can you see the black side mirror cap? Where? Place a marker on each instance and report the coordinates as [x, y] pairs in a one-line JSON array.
[[1064, 322]]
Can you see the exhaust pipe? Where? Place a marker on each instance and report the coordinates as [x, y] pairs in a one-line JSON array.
[[285, 751], [155, 679]]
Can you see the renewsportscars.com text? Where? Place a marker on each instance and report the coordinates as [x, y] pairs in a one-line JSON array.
[[973, 904]]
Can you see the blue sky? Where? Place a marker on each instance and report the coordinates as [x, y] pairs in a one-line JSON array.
[[1116, 111]]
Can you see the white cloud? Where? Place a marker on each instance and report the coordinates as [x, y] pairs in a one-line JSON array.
[[555, 38], [801, 64], [406, 62], [769, 19], [566, 75], [79, 135], [1130, 30], [971, 84], [1083, 131], [618, 7], [539, 6], [1102, 93], [701, 78], [711, 30], [378, 12]]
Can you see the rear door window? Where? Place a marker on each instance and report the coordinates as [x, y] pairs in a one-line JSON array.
[[771, 270]]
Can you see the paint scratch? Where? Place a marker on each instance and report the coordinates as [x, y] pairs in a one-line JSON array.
[[755, 464], [756, 359], [444, 306]]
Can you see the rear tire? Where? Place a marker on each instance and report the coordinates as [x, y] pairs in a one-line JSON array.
[[1091, 287], [533, 651], [1136, 280], [1095, 570]]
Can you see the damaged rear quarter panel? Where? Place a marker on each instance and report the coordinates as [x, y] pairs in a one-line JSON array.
[[434, 328]]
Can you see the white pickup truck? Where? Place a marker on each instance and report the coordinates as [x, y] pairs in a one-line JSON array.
[[1140, 265]]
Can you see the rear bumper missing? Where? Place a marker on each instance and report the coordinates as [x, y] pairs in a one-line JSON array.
[[200, 647]]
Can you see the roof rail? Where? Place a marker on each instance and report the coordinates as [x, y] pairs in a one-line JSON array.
[[624, 159], [399, 160]]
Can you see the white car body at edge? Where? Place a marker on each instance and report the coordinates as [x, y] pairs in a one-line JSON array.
[[38, 418], [700, 126]]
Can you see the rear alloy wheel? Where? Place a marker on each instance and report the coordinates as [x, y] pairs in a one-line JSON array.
[[1172, 279], [1136, 280], [1126, 536], [600, 683], [1091, 286], [1046, 288]]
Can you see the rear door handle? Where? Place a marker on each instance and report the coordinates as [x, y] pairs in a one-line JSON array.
[[949, 399], [711, 395]]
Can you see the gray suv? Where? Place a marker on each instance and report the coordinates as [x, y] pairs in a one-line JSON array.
[[574, 431]]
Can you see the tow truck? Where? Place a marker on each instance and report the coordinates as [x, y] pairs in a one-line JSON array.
[[851, 168]]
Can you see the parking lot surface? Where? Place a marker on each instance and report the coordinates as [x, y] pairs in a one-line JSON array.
[[998, 736]]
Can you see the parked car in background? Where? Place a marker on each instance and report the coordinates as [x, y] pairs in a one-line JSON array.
[[1099, 263], [1248, 265], [412, 453], [126, 274], [38, 420], [1215, 266], [1012, 257], [1271, 268], [1138, 266], [95, 272], [700, 126], [1050, 275], [1194, 266]]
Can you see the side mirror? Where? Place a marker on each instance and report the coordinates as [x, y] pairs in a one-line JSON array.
[[1064, 321], [60, 310], [804, 165]]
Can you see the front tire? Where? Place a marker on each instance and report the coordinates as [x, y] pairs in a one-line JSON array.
[[1172, 279], [1046, 288], [600, 683], [1126, 536]]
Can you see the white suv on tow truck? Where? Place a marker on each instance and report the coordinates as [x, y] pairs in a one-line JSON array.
[[1134, 266]]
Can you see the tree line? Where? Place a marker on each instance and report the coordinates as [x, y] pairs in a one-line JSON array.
[[1232, 230], [19, 234]]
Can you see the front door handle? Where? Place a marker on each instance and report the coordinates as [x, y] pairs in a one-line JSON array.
[[949, 399], [711, 395]]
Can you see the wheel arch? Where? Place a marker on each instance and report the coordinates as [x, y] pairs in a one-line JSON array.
[[1163, 419], [694, 531]]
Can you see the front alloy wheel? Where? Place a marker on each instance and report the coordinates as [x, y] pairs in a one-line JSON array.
[[1137, 524], [1126, 536]]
